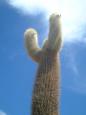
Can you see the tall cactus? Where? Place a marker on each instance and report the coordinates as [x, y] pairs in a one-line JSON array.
[[45, 100]]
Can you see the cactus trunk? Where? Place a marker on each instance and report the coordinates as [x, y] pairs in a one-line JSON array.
[[45, 100]]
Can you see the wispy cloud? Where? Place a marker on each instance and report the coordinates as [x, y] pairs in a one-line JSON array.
[[74, 68], [2, 113], [79, 86], [72, 11]]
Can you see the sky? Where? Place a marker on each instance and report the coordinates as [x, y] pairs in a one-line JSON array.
[[17, 70]]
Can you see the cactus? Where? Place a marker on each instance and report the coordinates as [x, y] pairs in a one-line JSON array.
[[45, 98]]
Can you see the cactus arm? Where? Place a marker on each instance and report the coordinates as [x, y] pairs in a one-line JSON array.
[[31, 43], [54, 39]]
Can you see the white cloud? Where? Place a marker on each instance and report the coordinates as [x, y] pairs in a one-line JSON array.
[[74, 68], [79, 86], [2, 113], [72, 11]]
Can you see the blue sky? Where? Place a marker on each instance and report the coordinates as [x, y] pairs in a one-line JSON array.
[[17, 70]]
